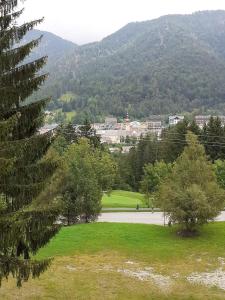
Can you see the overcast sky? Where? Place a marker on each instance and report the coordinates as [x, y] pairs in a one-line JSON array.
[[83, 21]]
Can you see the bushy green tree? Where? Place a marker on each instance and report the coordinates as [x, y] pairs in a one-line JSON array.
[[25, 226], [154, 174], [87, 172], [191, 195], [219, 167]]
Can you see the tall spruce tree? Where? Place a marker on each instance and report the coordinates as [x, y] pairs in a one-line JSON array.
[[212, 137], [24, 225]]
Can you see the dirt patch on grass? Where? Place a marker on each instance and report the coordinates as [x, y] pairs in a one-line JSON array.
[[112, 276], [216, 278], [162, 282]]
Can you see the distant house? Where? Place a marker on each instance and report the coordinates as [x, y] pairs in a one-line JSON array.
[[49, 113], [48, 128], [111, 136], [111, 121], [174, 120], [126, 149], [204, 120], [135, 124], [155, 127], [115, 150]]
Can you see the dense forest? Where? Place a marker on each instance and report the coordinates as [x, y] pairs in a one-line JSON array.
[[172, 64]]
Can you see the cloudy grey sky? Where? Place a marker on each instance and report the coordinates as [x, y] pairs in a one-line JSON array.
[[84, 21]]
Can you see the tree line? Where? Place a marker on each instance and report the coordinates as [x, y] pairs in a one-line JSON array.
[[150, 150]]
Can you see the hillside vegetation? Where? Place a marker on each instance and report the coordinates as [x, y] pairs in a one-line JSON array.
[[172, 64]]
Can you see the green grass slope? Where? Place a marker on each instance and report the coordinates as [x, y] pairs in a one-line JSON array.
[[105, 261], [140, 241], [123, 199]]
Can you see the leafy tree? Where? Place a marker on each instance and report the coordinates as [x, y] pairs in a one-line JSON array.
[[219, 166], [154, 174], [25, 225], [87, 172], [191, 195]]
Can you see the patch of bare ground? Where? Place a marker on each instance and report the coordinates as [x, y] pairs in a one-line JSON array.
[[161, 281], [215, 278], [113, 276]]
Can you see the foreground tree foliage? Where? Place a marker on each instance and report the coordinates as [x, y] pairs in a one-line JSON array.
[[85, 173], [153, 176], [191, 195], [219, 167], [25, 226]]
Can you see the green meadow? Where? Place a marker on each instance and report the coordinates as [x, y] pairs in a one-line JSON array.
[[123, 199], [110, 261]]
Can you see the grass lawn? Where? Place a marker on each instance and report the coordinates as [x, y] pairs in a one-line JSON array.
[[110, 261], [123, 199]]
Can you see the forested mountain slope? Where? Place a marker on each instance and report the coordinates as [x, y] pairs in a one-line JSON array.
[[51, 45], [171, 64]]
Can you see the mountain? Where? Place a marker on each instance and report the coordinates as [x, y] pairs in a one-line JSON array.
[[172, 64], [51, 45]]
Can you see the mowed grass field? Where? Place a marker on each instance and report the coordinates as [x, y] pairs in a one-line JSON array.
[[123, 199], [126, 261]]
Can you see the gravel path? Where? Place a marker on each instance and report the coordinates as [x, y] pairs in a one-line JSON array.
[[139, 217]]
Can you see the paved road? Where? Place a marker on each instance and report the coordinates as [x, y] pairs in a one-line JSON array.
[[139, 217], [128, 209]]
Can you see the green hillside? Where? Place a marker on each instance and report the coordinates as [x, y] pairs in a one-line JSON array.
[[172, 64]]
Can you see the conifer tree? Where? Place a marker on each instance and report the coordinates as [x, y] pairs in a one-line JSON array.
[[24, 225], [213, 138]]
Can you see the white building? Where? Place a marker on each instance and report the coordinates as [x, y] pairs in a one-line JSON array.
[[204, 120], [47, 128], [111, 121], [174, 120], [155, 128]]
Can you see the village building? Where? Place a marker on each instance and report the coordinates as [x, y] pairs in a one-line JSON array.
[[204, 120], [111, 121], [174, 120], [48, 128], [155, 127]]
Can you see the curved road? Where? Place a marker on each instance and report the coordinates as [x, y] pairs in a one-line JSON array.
[[140, 217]]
